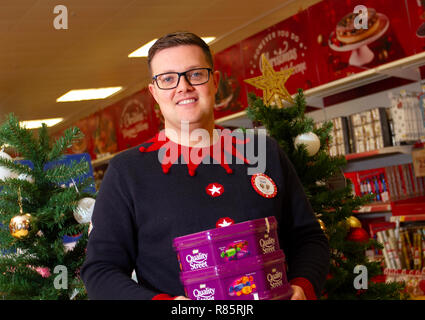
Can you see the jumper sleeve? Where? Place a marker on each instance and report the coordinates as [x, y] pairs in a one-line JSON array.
[[306, 246], [112, 245]]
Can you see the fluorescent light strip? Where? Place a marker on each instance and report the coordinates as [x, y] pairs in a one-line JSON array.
[[88, 94], [32, 124], [144, 50]]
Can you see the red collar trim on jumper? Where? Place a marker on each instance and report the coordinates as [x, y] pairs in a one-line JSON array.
[[173, 151]]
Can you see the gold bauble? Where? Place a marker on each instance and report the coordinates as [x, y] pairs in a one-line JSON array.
[[353, 222], [322, 225], [21, 226]]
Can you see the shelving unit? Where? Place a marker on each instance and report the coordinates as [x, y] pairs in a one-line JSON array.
[[380, 153]]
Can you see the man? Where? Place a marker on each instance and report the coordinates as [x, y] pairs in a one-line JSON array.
[[148, 197]]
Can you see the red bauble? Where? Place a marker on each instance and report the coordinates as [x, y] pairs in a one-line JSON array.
[[358, 235]]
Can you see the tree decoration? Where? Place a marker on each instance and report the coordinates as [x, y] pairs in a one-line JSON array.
[[310, 140], [22, 225], [272, 83], [84, 210], [353, 222]]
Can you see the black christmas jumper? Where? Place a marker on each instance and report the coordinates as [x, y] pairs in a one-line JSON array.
[[144, 203]]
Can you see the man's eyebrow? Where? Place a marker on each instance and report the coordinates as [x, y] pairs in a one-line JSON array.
[[188, 68]]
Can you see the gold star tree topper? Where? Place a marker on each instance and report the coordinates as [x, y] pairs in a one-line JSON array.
[[272, 83]]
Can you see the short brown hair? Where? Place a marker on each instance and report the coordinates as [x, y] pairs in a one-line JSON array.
[[178, 39]]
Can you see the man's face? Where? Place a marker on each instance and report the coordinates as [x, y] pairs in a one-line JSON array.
[[194, 104]]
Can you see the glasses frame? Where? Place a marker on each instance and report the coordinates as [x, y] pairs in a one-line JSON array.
[[155, 78]]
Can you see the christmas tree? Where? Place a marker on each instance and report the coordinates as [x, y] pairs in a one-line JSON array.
[[306, 147], [38, 208]]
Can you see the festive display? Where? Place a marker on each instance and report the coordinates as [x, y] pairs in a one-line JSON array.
[[334, 206], [34, 241], [84, 210], [358, 235], [353, 222], [272, 83], [20, 226], [310, 140]]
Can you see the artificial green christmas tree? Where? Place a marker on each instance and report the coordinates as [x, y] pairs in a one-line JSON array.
[[37, 210], [332, 205]]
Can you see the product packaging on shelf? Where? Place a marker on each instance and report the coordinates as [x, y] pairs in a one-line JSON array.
[[340, 138], [370, 130], [373, 181], [404, 255], [407, 117]]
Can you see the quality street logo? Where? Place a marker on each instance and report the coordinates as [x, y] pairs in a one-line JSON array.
[[204, 293], [275, 279], [268, 245], [197, 261]]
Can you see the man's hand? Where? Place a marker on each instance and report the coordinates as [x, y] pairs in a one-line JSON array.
[[181, 298], [298, 293]]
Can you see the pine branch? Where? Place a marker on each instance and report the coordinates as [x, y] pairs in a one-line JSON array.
[[63, 173], [19, 138], [44, 142], [65, 142]]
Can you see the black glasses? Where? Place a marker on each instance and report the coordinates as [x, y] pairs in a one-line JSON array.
[[171, 80]]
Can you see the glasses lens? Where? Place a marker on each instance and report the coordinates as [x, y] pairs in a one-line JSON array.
[[198, 76], [167, 80]]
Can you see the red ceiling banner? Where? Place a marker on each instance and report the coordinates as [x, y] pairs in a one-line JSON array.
[[308, 42]]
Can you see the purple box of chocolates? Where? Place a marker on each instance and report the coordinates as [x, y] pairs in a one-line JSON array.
[[241, 261], [261, 277]]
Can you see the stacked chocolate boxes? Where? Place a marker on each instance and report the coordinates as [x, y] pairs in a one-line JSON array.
[[360, 132], [339, 143], [370, 130], [242, 261]]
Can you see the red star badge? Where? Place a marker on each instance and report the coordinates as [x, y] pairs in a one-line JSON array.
[[215, 189], [224, 222]]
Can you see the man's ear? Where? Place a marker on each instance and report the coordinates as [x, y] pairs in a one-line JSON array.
[[216, 78]]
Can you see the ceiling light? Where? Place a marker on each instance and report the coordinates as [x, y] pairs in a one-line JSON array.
[[144, 50], [88, 94], [208, 39], [32, 124]]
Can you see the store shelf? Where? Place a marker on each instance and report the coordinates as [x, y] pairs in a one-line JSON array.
[[374, 208], [408, 218], [380, 152]]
